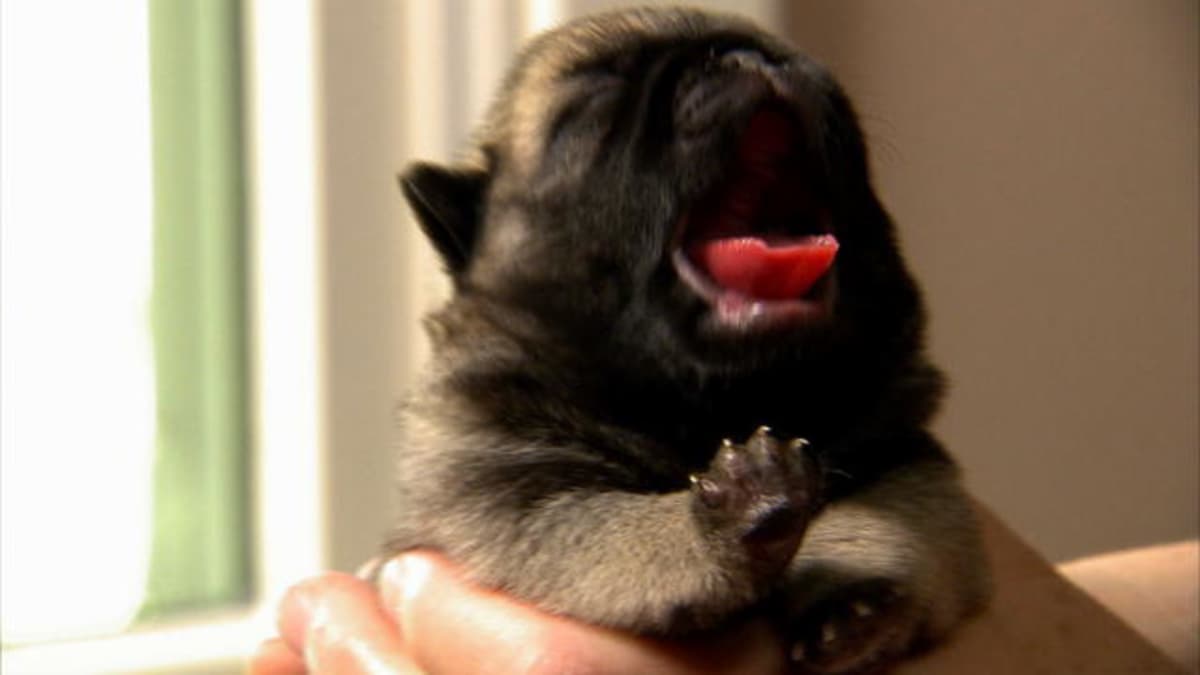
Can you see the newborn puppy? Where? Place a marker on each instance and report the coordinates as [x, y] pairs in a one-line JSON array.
[[681, 376]]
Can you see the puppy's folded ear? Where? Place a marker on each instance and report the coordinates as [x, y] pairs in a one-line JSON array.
[[447, 203]]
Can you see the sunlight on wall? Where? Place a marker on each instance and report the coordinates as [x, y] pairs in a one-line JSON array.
[[77, 409]]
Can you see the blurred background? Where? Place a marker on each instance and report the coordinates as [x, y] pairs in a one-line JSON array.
[[211, 287]]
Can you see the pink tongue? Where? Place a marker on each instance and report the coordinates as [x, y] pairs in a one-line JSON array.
[[754, 268]]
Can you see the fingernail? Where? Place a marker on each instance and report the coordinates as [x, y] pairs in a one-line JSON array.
[[391, 578], [369, 571], [403, 577]]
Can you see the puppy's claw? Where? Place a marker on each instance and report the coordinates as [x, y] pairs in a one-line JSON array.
[[758, 497], [799, 443], [711, 494]]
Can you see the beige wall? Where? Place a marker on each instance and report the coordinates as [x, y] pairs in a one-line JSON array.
[[1041, 159], [361, 129]]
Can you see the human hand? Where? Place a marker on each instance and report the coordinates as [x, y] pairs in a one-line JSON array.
[[427, 620]]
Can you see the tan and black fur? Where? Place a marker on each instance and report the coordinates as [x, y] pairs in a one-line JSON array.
[[570, 443]]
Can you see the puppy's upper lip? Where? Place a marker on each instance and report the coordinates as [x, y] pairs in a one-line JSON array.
[[703, 104]]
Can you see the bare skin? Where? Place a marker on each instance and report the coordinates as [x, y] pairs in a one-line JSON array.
[[429, 621]]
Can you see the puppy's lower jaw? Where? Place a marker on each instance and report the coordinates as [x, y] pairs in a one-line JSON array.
[[733, 313]]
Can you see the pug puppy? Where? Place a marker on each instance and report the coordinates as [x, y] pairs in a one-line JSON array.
[[682, 374]]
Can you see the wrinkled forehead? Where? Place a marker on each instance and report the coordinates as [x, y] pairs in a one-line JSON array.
[[518, 120], [587, 38]]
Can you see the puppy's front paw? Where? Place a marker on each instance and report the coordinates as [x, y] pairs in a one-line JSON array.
[[759, 496], [854, 630]]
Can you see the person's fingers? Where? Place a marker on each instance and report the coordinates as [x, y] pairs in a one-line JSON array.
[[449, 628], [336, 622], [452, 627], [275, 657]]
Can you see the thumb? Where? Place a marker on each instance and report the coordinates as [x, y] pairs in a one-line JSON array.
[[336, 623]]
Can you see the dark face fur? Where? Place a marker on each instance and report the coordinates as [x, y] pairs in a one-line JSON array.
[[617, 143]]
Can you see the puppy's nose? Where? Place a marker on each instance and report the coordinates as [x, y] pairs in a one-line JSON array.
[[744, 59]]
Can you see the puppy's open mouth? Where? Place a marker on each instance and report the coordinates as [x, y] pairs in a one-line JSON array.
[[758, 248]]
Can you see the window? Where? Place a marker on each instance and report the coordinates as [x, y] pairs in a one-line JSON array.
[[125, 384], [131, 362]]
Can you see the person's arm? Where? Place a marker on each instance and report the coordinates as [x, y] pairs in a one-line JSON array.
[[1154, 589], [1038, 622]]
